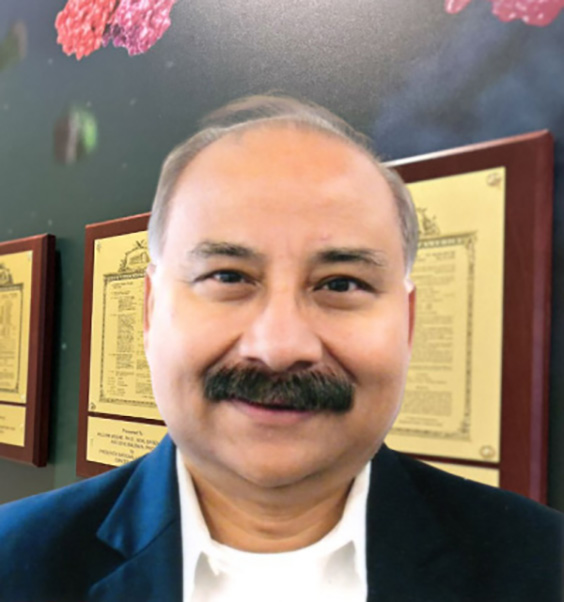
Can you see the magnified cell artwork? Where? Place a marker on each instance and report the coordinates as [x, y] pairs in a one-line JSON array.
[[83, 26], [13, 47], [532, 12], [75, 135], [137, 24]]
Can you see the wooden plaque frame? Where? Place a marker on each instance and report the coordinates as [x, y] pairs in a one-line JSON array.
[[528, 160], [35, 449], [94, 232]]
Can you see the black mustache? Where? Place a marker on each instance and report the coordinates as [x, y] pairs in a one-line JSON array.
[[303, 391]]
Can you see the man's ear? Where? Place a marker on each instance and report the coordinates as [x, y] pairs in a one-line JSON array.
[[148, 300], [412, 296]]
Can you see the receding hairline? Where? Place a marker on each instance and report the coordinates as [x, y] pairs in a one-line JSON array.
[[237, 133], [266, 112]]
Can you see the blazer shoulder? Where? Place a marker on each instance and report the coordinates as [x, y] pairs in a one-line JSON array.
[[475, 542], [434, 482], [46, 510], [56, 545], [64, 518], [50, 535], [500, 526], [445, 489]]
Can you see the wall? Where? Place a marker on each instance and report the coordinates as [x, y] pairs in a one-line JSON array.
[[414, 77]]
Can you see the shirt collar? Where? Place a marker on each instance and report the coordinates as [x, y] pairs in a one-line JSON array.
[[196, 539]]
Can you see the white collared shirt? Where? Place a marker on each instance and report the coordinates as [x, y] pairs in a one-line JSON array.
[[330, 570]]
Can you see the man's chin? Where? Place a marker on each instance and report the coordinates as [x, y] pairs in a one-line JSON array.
[[276, 476]]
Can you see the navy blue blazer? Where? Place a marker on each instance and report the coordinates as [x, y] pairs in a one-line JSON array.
[[431, 537]]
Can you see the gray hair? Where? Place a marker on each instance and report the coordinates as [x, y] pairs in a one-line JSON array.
[[256, 111]]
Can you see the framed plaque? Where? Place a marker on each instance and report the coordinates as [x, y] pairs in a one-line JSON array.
[[27, 272], [476, 398], [118, 418]]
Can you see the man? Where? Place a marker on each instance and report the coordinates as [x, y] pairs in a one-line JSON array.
[[278, 328]]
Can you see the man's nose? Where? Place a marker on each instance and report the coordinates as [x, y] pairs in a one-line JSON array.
[[281, 337]]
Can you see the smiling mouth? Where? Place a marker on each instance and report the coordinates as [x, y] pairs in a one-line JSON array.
[[275, 406]]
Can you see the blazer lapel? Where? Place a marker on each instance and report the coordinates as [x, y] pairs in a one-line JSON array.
[[144, 527], [409, 555]]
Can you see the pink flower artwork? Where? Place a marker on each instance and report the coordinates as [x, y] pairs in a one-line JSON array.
[[532, 12], [84, 25], [455, 6], [81, 25], [138, 24]]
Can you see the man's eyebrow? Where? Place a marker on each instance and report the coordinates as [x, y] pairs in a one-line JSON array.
[[208, 248], [368, 257]]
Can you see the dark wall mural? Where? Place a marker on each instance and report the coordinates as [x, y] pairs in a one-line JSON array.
[[82, 141]]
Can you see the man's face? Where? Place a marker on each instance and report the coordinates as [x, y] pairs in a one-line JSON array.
[[283, 255]]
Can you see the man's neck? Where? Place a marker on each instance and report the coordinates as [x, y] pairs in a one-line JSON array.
[[280, 522]]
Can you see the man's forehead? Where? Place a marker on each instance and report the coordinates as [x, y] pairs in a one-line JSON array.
[[297, 186], [259, 147], [302, 171]]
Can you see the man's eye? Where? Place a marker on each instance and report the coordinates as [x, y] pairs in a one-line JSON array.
[[343, 285], [227, 277]]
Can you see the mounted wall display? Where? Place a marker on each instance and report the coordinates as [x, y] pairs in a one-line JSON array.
[[118, 418], [27, 271], [476, 395]]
